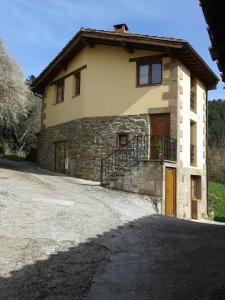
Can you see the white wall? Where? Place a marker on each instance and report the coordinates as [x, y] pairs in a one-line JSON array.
[[187, 115]]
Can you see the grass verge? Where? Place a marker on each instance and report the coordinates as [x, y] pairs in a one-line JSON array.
[[217, 200]]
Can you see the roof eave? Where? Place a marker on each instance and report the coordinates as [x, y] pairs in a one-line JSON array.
[[117, 40]]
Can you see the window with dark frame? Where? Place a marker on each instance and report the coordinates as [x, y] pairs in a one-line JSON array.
[[193, 143], [77, 84], [196, 187], [149, 72], [193, 104], [122, 139], [60, 92]]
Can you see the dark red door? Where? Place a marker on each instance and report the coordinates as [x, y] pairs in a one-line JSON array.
[[160, 128]]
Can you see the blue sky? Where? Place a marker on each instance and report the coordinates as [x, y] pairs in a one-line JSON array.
[[34, 31]]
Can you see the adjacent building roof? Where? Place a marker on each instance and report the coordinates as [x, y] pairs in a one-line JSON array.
[[89, 37], [214, 12]]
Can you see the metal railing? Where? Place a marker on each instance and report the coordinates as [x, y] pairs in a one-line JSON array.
[[193, 102], [139, 148]]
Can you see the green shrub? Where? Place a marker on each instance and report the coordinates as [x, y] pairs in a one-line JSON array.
[[217, 200]]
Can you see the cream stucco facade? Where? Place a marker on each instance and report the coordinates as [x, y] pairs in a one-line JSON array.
[[108, 87], [185, 169]]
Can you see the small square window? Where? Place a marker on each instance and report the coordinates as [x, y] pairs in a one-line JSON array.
[[60, 92], [122, 140]]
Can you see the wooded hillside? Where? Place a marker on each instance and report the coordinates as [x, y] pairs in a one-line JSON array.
[[217, 123], [216, 139]]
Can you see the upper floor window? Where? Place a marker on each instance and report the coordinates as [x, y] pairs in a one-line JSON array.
[[77, 84], [193, 103], [149, 73], [60, 91], [193, 143], [60, 84]]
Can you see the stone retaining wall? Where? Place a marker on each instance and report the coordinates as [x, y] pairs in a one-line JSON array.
[[144, 178], [88, 140]]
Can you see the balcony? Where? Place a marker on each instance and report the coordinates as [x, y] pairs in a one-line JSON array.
[[163, 148], [140, 148], [193, 102]]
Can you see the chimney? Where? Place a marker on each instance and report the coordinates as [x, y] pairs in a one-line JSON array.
[[120, 28]]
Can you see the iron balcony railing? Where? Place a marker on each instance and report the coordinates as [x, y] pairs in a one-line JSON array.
[[193, 102], [156, 148]]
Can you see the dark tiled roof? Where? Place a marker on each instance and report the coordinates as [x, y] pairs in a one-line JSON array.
[[214, 12], [132, 35]]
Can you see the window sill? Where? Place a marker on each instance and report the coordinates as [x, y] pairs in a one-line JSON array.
[[146, 85], [75, 96], [56, 103], [193, 166]]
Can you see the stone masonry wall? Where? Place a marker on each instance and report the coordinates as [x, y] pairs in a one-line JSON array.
[[144, 178], [88, 140]]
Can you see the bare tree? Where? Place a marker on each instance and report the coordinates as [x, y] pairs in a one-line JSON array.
[[25, 131], [14, 99]]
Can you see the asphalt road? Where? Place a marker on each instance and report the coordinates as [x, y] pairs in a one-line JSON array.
[[65, 238]]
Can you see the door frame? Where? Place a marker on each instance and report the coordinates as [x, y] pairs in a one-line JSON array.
[[175, 190], [65, 150], [193, 200]]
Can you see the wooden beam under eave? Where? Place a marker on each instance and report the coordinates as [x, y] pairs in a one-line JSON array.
[[126, 47], [213, 53], [62, 66], [88, 42], [170, 52]]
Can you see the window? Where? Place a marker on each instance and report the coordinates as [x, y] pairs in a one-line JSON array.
[[149, 72], [193, 142], [193, 104], [143, 74], [77, 84], [156, 73], [196, 188], [60, 92], [122, 139]]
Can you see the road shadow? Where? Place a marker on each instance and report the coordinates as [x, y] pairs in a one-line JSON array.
[[150, 258]]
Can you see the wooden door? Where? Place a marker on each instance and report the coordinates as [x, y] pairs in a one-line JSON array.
[[194, 197], [170, 192], [160, 127], [60, 155]]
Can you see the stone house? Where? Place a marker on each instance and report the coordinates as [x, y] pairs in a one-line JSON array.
[[129, 110]]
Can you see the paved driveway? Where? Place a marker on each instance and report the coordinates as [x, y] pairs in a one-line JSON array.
[[64, 238]]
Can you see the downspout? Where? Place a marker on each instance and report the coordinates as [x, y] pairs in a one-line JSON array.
[[206, 149]]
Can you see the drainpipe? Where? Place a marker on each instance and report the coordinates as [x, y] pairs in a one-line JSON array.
[[206, 149]]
